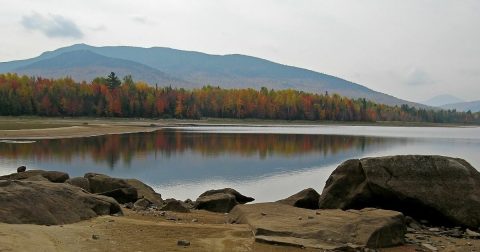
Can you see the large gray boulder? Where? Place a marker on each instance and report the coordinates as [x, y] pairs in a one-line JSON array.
[[335, 229], [103, 184], [242, 199], [145, 191], [52, 176], [221, 200], [307, 198], [79, 182], [46, 203], [443, 190]]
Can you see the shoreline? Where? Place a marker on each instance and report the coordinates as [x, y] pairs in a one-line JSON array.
[[38, 128]]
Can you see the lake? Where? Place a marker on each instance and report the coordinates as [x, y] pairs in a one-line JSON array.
[[265, 162]]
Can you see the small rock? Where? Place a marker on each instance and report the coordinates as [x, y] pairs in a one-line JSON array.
[[310, 217], [128, 205], [21, 169], [194, 220], [183, 243], [299, 218], [472, 234], [434, 229], [429, 247], [95, 237], [263, 214]]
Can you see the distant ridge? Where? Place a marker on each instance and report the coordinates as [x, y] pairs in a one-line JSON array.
[[473, 106], [441, 100], [167, 66]]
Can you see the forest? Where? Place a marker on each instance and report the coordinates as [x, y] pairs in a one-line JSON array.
[[111, 97]]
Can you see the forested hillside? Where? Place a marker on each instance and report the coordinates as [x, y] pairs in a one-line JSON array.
[[111, 97]]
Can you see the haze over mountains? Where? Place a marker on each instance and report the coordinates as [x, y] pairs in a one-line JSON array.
[[166, 66]]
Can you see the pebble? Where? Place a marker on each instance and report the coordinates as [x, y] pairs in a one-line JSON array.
[[263, 214], [183, 243], [429, 247], [194, 220], [434, 229], [95, 237]]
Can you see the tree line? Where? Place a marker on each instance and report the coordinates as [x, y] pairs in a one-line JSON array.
[[111, 97]]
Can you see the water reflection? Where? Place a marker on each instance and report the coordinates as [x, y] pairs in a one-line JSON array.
[[110, 150], [263, 163]]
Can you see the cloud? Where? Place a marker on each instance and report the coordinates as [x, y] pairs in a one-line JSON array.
[[140, 19], [418, 77], [52, 26]]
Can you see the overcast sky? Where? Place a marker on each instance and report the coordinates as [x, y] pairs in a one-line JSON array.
[[412, 49]]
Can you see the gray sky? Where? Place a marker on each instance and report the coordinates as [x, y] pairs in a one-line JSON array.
[[412, 49]]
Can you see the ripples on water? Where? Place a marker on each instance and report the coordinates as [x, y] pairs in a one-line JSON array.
[[268, 163]]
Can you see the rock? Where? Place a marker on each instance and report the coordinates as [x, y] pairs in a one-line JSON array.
[[238, 196], [21, 168], [412, 223], [219, 202], [52, 176], [434, 229], [95, 237], [442, 190], [307, 198], [122, 195], [128, 205], [429, 247], [46, 203], [141, 204], [36, 178], [189, 203], [174, 205], [331, 230], [100, 183], [145, 191], [183, 243], [79, 182], [472, 234]]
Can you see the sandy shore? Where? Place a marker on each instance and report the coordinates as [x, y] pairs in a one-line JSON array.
[[144, 232]]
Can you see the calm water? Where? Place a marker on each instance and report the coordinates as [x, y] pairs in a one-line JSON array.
[[268, 163]]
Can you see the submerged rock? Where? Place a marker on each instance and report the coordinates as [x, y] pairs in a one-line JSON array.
[[442, 190], [334, 229], [307, 198], [46, 203]]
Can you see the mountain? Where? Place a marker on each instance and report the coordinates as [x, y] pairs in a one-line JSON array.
[[167, 66], [86, 65], [473, 106], [443, 99]]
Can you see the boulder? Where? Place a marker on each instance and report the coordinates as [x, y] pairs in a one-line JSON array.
[[122, 195], [46, 203], [145, 191], [442, 190], [21, 168], [307, 198], [141, 204], [219, 202], [175, 206], [52, 176], [335, 229], [238, 196], [100, 183], [79, 182]]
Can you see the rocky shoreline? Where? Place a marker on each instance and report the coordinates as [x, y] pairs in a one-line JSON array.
[[423, 203]]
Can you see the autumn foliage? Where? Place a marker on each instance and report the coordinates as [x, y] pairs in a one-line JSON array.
[[22, 95]]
